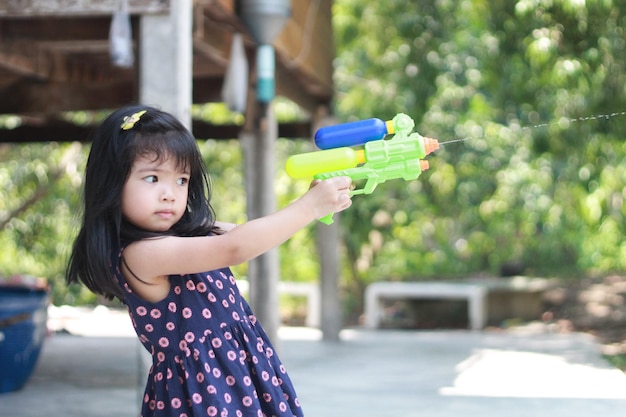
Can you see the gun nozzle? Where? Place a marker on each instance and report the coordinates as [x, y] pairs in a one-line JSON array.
[[430, 145], [424, 165]]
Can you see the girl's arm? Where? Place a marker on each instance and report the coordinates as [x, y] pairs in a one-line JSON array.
[[226, 227], [153, 259]]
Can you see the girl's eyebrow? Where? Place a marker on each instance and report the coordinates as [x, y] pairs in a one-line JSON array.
[[146, 168], [157, 167]]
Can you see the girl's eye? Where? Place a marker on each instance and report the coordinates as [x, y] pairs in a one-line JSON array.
[[183, 181], [151, 178]]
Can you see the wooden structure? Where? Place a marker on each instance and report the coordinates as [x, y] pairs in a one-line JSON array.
[[54, 58]]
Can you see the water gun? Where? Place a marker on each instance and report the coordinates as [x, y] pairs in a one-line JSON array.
[[376, 161]]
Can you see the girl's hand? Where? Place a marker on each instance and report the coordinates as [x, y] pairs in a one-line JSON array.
[[328, 196]]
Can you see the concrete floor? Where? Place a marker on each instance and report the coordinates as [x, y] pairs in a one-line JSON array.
[[95, 372]]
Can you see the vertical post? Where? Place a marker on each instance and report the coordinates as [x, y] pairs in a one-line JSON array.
[[264, 19], [327, 238], [327, 247], [165, 81], [258, 142], [165, 64]]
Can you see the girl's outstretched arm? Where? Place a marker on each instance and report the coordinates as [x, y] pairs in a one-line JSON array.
[[152, 260], [226, 227]]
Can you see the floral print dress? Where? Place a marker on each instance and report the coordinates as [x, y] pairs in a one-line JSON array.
[[210, 355]]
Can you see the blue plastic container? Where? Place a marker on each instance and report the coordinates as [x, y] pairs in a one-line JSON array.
[[23, 316]]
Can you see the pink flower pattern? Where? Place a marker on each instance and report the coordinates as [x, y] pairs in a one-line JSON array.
[[211, 356]]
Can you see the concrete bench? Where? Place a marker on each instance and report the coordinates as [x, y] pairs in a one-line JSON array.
[[516, 297], [490, 300], [476, 296], [309, 290]]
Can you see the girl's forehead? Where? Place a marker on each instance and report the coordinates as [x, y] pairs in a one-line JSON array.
[[164, 161]]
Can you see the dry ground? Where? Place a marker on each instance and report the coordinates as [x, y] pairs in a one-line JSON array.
[[596, 306]]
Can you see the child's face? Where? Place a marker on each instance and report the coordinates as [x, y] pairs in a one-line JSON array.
[[154, 197]]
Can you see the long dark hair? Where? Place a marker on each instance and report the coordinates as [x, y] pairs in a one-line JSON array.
[[113, 151]]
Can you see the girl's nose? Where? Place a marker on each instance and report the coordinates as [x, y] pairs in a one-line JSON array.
[[167, 194]]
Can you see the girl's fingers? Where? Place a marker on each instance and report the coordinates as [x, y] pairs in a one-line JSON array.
[[341, 183], [347, 181], [314, 183]]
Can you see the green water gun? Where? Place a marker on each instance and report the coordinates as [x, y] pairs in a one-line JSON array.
[[377, 161]]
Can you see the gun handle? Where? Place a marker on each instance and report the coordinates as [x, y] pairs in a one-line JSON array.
[[328, 219]]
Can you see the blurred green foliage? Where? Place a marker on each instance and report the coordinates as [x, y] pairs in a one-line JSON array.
[[537, 90], [38, 201], [535, 87]]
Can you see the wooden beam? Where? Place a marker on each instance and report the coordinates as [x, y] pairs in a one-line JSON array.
[[207, 90], [289, 130], [58, 48], [7, 77], [57, 28], [305, 46], [55, 59], [18, 64], [61, 131], [304, 49], [48, 131], [25, 8], [33, 96], [292, 85]]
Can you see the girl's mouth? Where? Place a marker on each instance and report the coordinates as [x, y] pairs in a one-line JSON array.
[[166, 214]]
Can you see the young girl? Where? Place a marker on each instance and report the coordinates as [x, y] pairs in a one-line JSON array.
[[149, 238]]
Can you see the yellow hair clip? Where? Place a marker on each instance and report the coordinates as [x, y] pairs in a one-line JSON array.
[[129, 121]]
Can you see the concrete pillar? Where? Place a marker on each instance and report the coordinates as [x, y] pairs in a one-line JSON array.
[[165, 82], [258, 142], [327, 239], [328, 250], [165, 63]]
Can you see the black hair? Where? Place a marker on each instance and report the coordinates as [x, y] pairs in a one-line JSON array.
[[113, 151]]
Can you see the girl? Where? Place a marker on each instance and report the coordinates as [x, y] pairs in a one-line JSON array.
[[149, 238]]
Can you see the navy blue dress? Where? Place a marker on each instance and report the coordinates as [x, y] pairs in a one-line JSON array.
[[210, 355]]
